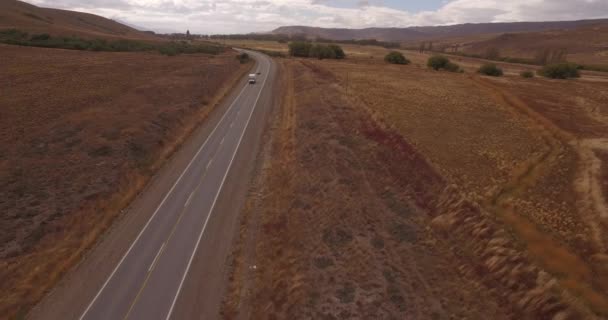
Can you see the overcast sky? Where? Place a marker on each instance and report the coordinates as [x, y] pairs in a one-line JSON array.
[[244, 16]]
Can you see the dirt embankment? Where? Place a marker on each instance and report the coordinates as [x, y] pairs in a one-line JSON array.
[[425, 194], [342, 216], [81, 133]]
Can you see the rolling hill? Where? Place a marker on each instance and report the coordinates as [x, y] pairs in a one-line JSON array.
[[433, 32], [33, 19], [587, 44]]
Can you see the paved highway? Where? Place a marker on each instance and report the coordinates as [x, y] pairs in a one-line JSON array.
[[148, 280]]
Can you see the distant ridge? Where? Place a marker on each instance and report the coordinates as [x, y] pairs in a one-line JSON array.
[[33, 19], [434, 32]]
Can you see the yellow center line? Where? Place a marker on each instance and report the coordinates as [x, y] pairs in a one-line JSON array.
[[151, 269], [143, 286], [156, 258]]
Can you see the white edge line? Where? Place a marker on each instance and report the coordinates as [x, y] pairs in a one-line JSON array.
[[179, 289], [157, 255], [160, 205]]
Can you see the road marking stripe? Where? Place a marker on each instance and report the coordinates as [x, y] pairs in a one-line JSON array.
[[232, 124], [145, 283], [160, 205], [200, 236], [189, 198], [156, 258], [209, 164], [222, 142]]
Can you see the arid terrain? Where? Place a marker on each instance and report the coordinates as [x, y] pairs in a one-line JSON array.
[[33, 19], [374, 190], [397, 191], [81, 134]]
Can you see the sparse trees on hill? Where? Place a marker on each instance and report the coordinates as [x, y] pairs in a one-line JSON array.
[[550, 56]]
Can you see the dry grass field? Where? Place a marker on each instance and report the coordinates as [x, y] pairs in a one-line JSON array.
[[81, 133], [392, 191]]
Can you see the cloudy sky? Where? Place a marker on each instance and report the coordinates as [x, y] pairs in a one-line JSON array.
[[244, 16]]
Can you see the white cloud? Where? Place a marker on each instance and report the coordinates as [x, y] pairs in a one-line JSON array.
[[243, 16]]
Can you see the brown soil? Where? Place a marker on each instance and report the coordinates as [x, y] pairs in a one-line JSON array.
[[81, 134], [499, 181]]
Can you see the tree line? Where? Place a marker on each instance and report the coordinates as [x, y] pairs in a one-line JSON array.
[[315, 50]]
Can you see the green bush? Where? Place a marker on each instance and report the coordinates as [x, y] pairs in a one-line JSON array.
[[490, 69], [243, 58], [338, 52], [438, 62], [168, 51], [299, 49], [40, 37], [563, 70], [12, 34], [396, 57], [527, 74], [320, 51], [317, 50]]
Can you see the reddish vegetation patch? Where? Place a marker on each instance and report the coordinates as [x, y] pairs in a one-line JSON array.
[[81, 133], [421, 177]]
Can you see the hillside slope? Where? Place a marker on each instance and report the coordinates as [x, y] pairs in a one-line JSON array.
[[33, 19], [436, 32], [588, 44]]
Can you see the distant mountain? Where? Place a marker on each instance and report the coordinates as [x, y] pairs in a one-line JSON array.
[[428, 33], [33, 19]]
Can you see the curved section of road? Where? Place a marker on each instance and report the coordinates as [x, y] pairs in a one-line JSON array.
[[147, 281]]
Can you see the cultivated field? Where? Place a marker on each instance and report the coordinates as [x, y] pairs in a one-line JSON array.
[[81, 133], [395, 191]]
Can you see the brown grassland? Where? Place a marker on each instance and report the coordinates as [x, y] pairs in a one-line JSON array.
[[81, 133], [396, 191]]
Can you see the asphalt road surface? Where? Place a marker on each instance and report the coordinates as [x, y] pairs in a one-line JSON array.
[[149, 280]]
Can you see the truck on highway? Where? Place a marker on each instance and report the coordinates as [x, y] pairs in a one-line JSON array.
[[252, 78]]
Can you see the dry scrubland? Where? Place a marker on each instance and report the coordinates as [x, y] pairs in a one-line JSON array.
[[81, 133], [395, 191]]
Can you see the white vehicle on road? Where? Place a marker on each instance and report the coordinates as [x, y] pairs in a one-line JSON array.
[[252, 78]]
